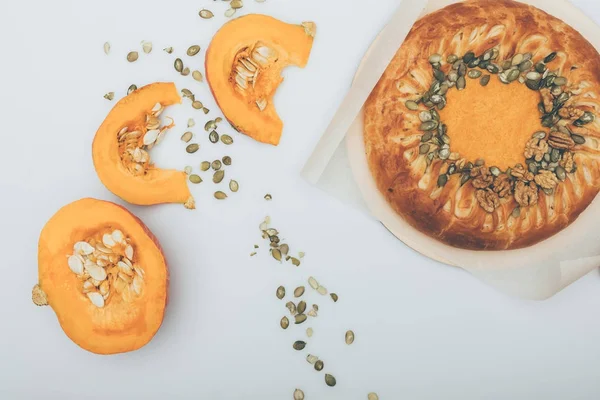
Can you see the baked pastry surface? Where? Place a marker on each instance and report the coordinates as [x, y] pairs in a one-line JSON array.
[[492, 163]]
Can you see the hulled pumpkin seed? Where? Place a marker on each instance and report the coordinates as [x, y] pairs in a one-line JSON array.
[[295, 261], [284, 323], [109, 96], [204, 166], [213, 137], [234, 186], [197, 105], [280, 292], [468, 57], [131, 89], [298, 394], [349, 337], [319, 365], [461, 83], [193, 50], [205, 110], [178, 64], [300, 318], [495, 171], [226, 160], [372, 396], [187, 136], [578, 139], [235, 4], [226, 139], [442, 180], [299, 345], [216, 165], [429, 125], [299, 291], [192, 148], [195, 178], [218, 176], [334, 297], [197, 75], [412, 105], [513, 75], [132, 56], [106, 48], [312, 359], [561, 173], [435, 58], [301, 307], [206, 14], [452, 58], [474, 74], [485, 79], [220, 195], [330, 380]]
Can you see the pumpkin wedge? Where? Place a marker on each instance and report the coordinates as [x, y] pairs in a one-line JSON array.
[[121, 145], [243, 68], [104, 274]]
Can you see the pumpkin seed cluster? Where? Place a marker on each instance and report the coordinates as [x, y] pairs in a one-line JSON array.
[[549, 154]]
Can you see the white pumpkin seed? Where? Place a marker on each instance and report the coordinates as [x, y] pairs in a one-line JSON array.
[[313, 283], [230, 12], [146, 47], [118, 236], [107, 240], [83, 248], [106, 48], [129, 252], [96, 299], [75, 264], [96, 272], [309, 332], [322, 290], [151, 136]]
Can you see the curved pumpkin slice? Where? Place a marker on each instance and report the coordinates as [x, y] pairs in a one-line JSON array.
[[243, 68], [104, 275], [121, 145]]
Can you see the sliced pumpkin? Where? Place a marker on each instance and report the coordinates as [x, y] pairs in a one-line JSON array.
[[243, 68], [120, 149], [104, 274]]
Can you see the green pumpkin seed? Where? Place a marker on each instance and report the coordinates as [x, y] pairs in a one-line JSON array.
[[578, 139], [550, 57], [587, 117], [425, 116], [280, 292], [517, 59], [284, 323], [470, 56], [216, 165], [554, 155], [412, 105], [495, 171], [197, 75], [197, 105], [299, 291], [301, 307], [195, 179], [452, 58], [474, 74], [372, 396], [513, 75], [435, 58], [268, 197], [485, 80], [560, 81], [444, 154], [439, 75], [292, 307], [540, 67], [213, 137], [533, 76], [300, 318], [429, 125], [226, 160], [349, 338], [493, 68], [319, 365], [109, 96], [561, 173], [131, 89], [334, 297], [206, 14], [424, 148], [461, 83], [426, 137], [188, 93], [330, 380], [226, 139], [525, 65], [220, 195], [204, 166], [187, 136], [516, 212], [132, 56], [234, 186], [299, 345], [218, 176], [442, 180], [192, 148], [178, 64], [193, 50]]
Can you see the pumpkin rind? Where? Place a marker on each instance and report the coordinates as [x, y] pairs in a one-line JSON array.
[[157, 185], [120, 326], [292, 43]]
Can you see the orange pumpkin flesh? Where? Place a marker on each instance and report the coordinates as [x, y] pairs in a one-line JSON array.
[[127, 320], [147, 185], [243, 68]]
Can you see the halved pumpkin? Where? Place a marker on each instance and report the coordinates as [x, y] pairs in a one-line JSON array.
[[243, 68], [120, 149], [104, 274]]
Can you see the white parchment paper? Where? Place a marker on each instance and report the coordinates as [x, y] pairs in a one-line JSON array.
[[339, 166]]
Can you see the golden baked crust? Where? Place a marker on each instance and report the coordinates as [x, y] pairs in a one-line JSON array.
[[469, 214]]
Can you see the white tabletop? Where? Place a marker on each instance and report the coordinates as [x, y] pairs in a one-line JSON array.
[[423, 330]]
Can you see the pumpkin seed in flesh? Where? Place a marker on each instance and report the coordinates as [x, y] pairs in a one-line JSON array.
[[132, 56], [197, 75], [178, 65], [301, 307], [280, 293], [204, 166], [319, 365], [330, 380], [206, 14], [218, 176], [284, 323], [187, 136], [109, 96], [372, 396], [213, 137], [334, 297], [220, 195], [216, 165], [195, 179], [147, 47], [299, 291], [298, 394], [226, 139], [192, 148], [299, 345], [106, 48], [234, 186], [300, 318], [193, 50], [349, 337]]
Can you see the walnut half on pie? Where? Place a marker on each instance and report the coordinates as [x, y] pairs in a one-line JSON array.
[[482, 132]]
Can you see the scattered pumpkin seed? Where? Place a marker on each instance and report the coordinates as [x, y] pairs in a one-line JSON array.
[[168, 50], [216, 165], [309, 332], [292, 307], [191, 123], [299, 345], [213, 137], [301, 307], [106, 48], [192, 148], [312, 359], [205, 110], [298, 394], [132, 56], [276, 253], [334, 297], [268, 197], [280, 293], [322, 290], [187, 136], [131, 89], [188, 93], [230, 12], [193, 50], [195, 178], [313, 283], [206, 14], [235, 4], [300, 318], [234, 186], [220, 195], [197, 105], [349, 337], [218, 176], [187, 170], [372, 396], [319, 365], [295, 261], [299, 291], [109, 96], [204, 166], [185, 72], [330, 380], [178, 64], [197, 75], [226, 139], [226, 160], [147, 47], [284, 323], [252, 255]]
